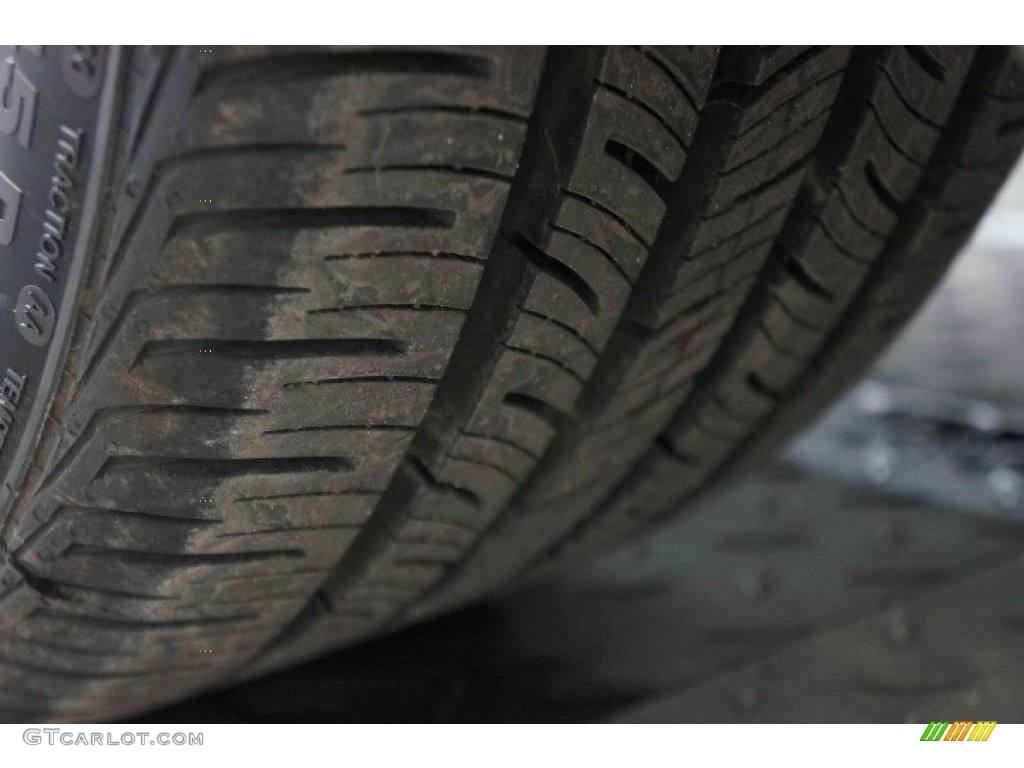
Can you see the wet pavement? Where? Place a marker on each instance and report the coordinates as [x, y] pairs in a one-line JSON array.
[[874, 574]]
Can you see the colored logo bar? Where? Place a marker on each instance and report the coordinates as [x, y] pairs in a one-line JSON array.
[[959, 731]]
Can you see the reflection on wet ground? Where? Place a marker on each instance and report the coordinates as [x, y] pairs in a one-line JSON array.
[[875, 574]]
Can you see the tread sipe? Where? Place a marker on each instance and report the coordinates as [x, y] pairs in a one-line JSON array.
[[366, 334]]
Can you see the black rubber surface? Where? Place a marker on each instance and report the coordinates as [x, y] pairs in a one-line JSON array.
[[369, 333]]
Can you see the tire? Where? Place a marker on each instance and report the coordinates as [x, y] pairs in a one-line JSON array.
[[311, 343]]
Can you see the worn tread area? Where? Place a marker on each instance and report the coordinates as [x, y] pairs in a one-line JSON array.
[[453, 314], [176, 508]]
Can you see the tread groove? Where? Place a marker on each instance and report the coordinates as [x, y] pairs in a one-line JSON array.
[[459, 170], [889, 200], [795, 269], [451, 109], [923, 58], [207, 223], [224, 468], [534, 406], [639, 165], [293, 66], [176, 560], [556, 270], [652, 56], [276, 349], [642, 105]]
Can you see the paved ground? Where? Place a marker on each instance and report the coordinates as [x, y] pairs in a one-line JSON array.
[[875, 574]]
